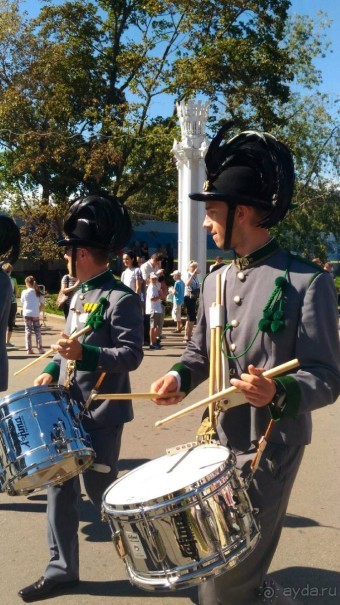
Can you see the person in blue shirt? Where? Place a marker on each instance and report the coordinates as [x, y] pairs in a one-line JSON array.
[[178, 293]]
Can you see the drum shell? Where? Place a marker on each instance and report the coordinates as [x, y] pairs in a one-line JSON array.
[[42, 441], [177, 540]]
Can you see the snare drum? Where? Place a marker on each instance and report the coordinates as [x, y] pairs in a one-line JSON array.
[[181, 518], [42, 441]]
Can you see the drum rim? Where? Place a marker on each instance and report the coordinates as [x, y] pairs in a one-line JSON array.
[[11, 397], [193, 575], [225, 469], [12, 486]]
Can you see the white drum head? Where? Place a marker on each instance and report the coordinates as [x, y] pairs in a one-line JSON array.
[[166, 474]]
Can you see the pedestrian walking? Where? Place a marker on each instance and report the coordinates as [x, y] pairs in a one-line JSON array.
[[191, 295], [153, 308], [32, 300], [68, 286], [177, 291], [8, 268]]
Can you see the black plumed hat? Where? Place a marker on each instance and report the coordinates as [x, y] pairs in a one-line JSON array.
[[253, 169], [98, 221]]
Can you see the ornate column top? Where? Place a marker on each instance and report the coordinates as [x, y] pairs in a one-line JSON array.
[[193, 118]]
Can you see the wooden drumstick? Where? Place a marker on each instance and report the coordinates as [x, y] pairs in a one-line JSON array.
[[218, 338], [215, 368], [94, 391], [285, 367], [218, 334], [212, 369], [50, 351], [139, 395]]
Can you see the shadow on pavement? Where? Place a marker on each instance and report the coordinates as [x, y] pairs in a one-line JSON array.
[[309, 585], [123, 588], [297, 521], [22, 507], [294, 521]]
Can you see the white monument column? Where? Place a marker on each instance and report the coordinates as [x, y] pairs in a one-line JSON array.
[[189, 154]]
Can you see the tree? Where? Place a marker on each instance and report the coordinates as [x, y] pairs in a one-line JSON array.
[[79, 87], [313, 139]]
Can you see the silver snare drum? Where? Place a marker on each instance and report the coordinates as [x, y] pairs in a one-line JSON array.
[[42, 441], [181, 519]]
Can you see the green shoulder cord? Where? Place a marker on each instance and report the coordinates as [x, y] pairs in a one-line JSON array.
[[272, 320], [96, 318]]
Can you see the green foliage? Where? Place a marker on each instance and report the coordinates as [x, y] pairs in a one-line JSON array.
[[80, 86], [50, 307]]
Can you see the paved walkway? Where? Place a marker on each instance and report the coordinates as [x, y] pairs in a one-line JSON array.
[[306, 563]]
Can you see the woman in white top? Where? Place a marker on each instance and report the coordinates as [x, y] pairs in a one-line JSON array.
[[31, 299], [132, 275]]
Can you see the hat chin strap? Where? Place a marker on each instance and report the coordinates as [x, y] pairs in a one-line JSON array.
[[229, 227], [73, 262]]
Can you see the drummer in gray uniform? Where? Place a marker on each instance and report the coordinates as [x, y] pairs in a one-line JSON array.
[[10, 246], [95, 226], [277, 307]]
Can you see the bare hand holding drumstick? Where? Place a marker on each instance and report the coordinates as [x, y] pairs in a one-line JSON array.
[[256, 388], [166, 384], [68, 348]]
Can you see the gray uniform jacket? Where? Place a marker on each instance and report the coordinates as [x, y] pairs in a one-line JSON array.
[[114, 347], [310, 334], [5, 306]]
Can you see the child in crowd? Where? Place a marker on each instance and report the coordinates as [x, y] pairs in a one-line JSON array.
[[178, 293], [31, 299], [153, 307]]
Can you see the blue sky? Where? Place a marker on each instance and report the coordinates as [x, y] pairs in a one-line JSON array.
[[329, 66]]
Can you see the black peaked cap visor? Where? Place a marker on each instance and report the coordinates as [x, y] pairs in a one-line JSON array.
[[81, 243], [229, 198], [235, 185]]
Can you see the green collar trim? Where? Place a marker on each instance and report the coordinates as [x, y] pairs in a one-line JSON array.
[[246, 262], [96, 282]]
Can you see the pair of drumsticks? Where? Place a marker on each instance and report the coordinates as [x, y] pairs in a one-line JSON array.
[[214, 376]]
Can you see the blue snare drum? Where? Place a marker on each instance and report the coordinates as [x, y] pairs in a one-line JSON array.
[[42, 441]]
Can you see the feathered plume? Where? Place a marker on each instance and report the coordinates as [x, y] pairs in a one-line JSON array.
[[9, 239], [270, 160]]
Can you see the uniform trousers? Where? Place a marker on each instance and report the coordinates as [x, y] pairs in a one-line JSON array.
[[269, 492], [63, 505]]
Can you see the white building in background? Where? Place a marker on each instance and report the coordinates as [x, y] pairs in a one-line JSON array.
[[189, 154]]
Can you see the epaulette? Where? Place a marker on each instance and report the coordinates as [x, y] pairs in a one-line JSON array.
[[306, 261], [309, 263]]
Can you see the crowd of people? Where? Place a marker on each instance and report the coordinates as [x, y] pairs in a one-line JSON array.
[[157, 287], [158, 290]]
